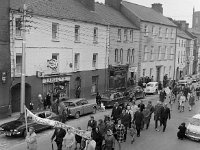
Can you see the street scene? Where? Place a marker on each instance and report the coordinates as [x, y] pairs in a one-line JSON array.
[[99, 75]]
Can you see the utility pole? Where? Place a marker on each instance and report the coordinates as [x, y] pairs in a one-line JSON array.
[[23, 71]]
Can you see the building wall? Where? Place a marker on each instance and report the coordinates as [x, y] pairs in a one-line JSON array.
[[4, 58], [155, 40], [196, 20]]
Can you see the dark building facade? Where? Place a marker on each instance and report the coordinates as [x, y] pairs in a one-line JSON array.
[[5, 65]]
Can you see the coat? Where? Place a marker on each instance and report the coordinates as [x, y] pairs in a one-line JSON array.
[[157, 111], [116, 112], [126, 119], [92, 124], [191, 100], [59, 135], [138, 118], [165, 113], [162, 96], [31, 141]]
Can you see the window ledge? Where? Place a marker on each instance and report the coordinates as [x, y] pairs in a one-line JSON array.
[[77, 41], [18, 38], [55, 40]]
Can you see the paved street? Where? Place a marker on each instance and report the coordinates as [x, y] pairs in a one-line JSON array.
[[150, 139]]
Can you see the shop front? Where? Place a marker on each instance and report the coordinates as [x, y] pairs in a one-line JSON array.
[[118, 77], [58, 85]]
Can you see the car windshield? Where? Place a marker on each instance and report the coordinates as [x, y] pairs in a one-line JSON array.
[[195, 122], [106, 95], [69, 104], [150, 84]]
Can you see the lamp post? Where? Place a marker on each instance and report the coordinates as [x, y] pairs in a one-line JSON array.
[[23, 71]]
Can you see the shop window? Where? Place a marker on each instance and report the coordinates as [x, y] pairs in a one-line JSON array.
[[95, 36], [77, 33], [94, 60], [18, 63], [76, 61], [18, 27], [94, 84], [55, 31], [119, 35]]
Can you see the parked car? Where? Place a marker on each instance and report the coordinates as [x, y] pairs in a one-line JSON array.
[[182, 82], [193, 128], [109, 98], [80, 106], [18, 127], [151, 88], [188, 79], [137, 92]]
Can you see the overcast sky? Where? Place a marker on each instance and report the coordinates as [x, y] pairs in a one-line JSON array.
[[176, 9]]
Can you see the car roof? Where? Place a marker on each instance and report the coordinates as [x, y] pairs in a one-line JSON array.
[[74, 100], [152, 82], [197, 116]]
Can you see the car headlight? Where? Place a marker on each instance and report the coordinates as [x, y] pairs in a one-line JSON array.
[[1, 128], [11, 130], [15, 130]]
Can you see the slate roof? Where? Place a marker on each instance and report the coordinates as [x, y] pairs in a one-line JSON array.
[[63, 9], [147, 14], [112, 16], [182, 34]]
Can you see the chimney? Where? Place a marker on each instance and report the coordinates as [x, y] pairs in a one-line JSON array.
[[183, 24], [89, 4], [157, 7], [116, 4]]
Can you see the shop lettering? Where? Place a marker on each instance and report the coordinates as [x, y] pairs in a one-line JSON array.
[[55, 79]]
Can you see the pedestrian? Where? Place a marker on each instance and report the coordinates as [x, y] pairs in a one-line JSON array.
[[116, 112], [165, 115], [133, 132], [63, 111], [31, 105], [141, 105], [78, 92], [55, 106], [134, 108], [102, 127], [98, 100], [109, 140], [120, 131], [191, 101], [125, 120], [130, 112], [110, 125], [162, 95], [69, 141], [98, 138], [181, 133], [90, 144], [182, 102], [78, 139], [138, 119], [146, 120], [151, 110], [171, 100], [92, 123], [186, 90], [159, 87], [40, 102], [58, 134], [157, 113], [48, 100], [198, 92], [31, 139]]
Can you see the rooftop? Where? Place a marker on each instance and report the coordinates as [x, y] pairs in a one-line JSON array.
[[182, 34]]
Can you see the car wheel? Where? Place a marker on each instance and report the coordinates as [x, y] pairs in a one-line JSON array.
[[94, 110], [77, 115]]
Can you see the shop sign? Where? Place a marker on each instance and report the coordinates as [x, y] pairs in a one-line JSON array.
[[55, 79], [132, 69], [52, 63]]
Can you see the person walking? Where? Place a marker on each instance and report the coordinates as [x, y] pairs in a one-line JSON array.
[[151, 110], [98, 100], [141, 105], [31, 139], [98, 138], [171, 99], [198, 92], [162, 95], [182, 102], [58, 134], [109, 140], [92, 123], [102, 127], [133, 132], [68, 141], [125, 119], [120, 131], [181, 133], [116, 112], [159, 87], [138, 119], [157, 113], [78, 139], [165, 114], [146, 112], [90, 144], [191, 101]]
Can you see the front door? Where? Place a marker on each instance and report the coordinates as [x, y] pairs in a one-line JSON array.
[[158, 73]]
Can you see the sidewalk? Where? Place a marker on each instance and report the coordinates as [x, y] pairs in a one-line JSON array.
[[14, 116]]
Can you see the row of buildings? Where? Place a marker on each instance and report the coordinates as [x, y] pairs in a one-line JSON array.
[[81, 47]]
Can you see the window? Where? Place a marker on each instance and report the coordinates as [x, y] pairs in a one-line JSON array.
[[55, 56], [179, 44], [116, 55], [166, 33], [125, 35], [165, 52], [159, 52], [94, 60], [182, 44], [128, 55], [77, 33], [119, 34], [151, 54], [160, 32], [170, 68], [121, 56], [178, 56], [76, 61], [146, 30], [131, 35], [18, 63], [94, 88], [151, 72], [172, 33], [132, 56], [55, 31], [18, 26], [143, 72], [196, 20], [95, 35], [153, 30], [171, 53], [145, 53], [164, 70]]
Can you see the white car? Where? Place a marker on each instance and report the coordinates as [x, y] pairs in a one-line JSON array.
[[193, 128], [151, 88]]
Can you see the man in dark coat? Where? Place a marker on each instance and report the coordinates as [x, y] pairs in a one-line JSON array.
[[92, 123], [157, 113], [98, 99], [141, 106], [162, 95], [165, 114], [138, 119], [150, 108], [125, 119], [116, 112], [59, 134]]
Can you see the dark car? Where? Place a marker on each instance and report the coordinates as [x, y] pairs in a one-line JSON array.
[[18, 127], [109, 98], [137, 92]]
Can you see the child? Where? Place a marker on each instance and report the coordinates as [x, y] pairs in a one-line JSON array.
[[133, 132]]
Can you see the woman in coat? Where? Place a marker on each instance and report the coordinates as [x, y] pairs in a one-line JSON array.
[[31, 139], [109, 140], [98, 138], [191, 101]]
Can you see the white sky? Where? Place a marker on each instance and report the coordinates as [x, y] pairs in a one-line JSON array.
[[176, 9]]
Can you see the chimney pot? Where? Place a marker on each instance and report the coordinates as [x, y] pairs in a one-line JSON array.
[[157, 7], [89, 4], [116, 4]]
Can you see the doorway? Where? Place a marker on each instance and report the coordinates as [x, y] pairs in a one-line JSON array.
[[158, 68]]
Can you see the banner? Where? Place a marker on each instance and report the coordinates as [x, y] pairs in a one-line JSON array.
[[53, 123]]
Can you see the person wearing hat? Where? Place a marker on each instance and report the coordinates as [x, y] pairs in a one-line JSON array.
[[157, 113], [31, 139], [165, 114], [116, 112]]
